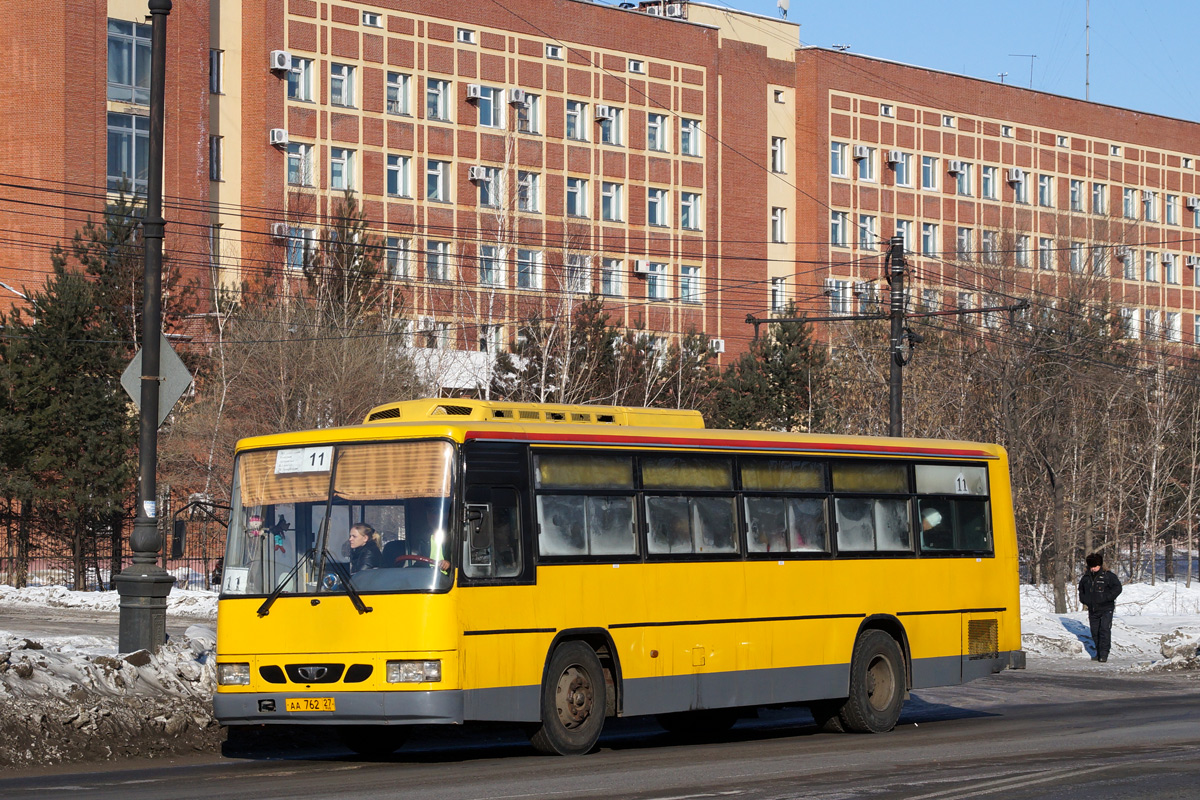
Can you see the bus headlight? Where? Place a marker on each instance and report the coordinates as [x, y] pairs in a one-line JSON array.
[[414, 671], [233, 674]]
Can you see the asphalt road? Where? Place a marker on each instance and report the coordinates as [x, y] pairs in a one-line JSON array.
[[1044, 733], [38, 622]]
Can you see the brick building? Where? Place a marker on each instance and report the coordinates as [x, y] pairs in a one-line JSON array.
[[686, 162]]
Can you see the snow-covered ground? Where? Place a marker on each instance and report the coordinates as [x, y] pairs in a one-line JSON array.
[[69, 697]]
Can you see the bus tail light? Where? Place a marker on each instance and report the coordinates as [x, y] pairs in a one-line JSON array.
[[233, 674], [414, 671]]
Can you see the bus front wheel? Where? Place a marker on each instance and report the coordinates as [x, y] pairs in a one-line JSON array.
[[877, 682], [573, 702]]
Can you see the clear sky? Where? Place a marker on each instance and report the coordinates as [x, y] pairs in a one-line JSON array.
[[1145, 54]]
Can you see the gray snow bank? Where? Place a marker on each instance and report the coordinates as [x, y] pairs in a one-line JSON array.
[[182, 602]]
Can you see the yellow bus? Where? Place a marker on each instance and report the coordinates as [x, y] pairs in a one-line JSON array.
[[557, 565]]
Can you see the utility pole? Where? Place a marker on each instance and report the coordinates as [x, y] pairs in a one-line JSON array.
[[1031, 57], [897, 361], [143, 586]]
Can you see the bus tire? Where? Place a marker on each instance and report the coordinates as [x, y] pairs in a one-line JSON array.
[[573, 702], [877, 682], [373, 741]]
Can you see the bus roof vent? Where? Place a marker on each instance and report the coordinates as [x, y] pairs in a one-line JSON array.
[[525, 414], [502, 413], [605, 418], [453, 411], [387, 413], [577, 417], [556, 416]]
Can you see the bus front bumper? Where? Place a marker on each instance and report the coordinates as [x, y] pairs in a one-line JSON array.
[[350, 708]]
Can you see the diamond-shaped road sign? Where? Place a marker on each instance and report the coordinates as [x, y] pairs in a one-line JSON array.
[[173, 379]]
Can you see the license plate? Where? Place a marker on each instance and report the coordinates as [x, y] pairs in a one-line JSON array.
[[310, 704]]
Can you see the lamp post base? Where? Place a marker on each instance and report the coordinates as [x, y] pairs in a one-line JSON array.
[[143, 589]]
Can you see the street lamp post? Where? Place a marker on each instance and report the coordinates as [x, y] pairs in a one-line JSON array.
[[143, 586]]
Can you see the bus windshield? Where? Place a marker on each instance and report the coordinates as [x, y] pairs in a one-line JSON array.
[[306, 518]]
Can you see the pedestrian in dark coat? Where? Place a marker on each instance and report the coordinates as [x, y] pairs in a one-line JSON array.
[[1098, 590]]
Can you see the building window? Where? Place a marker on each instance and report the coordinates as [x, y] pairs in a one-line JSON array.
[[930, 300], [947, 121], [216, 71], [529, 269], [1153, 330], [577, 277], [1170, 268], [609, 118], [656, 207], [437, 261], [1099, 198], [904, 230], [689, 137], [656, 281], [437, 99], [466, 36], [398, 257], [839, 296], [1021, 188], [1099, 260], [436, 186], [1022, 253], [301, 244], [491, 338], [929, 239], [1062, 141], [489, 187], [865, 158], [372, 20], [1130, 323], [1006, 131], [1114, 150], [689, 284], [215, 148], [689, 211], [988, 244], [962, 181], [490, 273], [299, 79], [887, 110], [299, 164], [399, 176], [490, 105], [397, 93], [656, 132], [1171, 321], [554, 52], [1075, 262], [1151, 265], [1129, 203], [867, 235], [128, 62], [778, 95], [838, 165], [1045, 190], [1172, 208], [637, 66], [577, 200], [1076, 195], [612, 207], [962, 244], [341, 85], [528, 196], [929, 172], [778, 154], [1150, 206], [778, 298], [839, 223], [988, 183], [1045, 253], [903, 169], [1129, 259], [341, 168], [778, 224], [529, 114], [128, 152], [577, 120], [610, 276]]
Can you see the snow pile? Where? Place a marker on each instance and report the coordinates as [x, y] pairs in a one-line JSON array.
[[183, 602]]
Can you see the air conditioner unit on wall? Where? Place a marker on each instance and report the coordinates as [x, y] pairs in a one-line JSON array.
[[955, 167], [653, 11], [861, 151], [604, 112], [716, 345], [673, 10], [1192, 261], [516, 97], [894, 156], [279, 230], [477, 173], [1193, 203], [474, 91], [278, 136], [1016, 175], [281, 60], [641, 267]]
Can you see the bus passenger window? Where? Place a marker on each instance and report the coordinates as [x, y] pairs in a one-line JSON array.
[[937, 524], [610, 526], [806, 524], [667, 524], [766, 519], [973, 533], [891, 525], [561, 530], [712, 525], [866, 524]]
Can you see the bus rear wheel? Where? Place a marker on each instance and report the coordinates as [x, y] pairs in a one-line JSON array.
[[877, 682], [573, 702]]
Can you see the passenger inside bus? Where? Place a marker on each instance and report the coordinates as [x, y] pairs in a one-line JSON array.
[[936, 533], [364, 548]]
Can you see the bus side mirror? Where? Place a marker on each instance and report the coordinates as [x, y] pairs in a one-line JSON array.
[[477, 519]]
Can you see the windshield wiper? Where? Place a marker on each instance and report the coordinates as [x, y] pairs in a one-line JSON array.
[[265, 608], [334, 566]]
